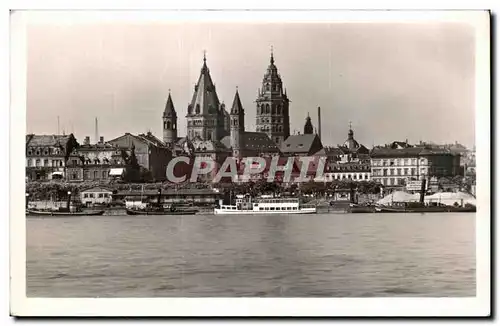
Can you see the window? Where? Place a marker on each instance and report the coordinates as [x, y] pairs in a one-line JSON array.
[[37, 162], [366, 176], [101, 195], [406, 171], [413, 171], [74, 176], [85, 195], [28, 161], [45, 162], [60, 163], [104, 174], [399, 171], [272, 208], [91, 195]]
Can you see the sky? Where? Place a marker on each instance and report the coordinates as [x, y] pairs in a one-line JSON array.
[[392, 81]]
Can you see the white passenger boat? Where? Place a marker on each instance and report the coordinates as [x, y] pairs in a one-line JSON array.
[[245, 204]]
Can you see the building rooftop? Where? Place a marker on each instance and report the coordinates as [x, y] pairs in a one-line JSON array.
[[299, 143], [47, 140]]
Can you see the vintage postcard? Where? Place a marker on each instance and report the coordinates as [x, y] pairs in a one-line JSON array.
[[250, 163]]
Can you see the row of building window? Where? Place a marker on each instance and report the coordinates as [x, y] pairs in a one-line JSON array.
[[198, 122], [44, 163], [396, 162], [100, 195], [396, 171], [272, 129], [275, 87], [268, 109], [86, 175], [47, 151], [391, 181], [353, 176]]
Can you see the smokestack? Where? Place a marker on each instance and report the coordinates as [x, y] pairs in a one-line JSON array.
[[422, 190], [319, 122], [96, 131], [87, 140], [101, 140], [58, 125]]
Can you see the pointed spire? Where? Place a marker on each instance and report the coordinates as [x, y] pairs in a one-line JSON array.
[[169, 107], [308, 127], [204, 68], [237, 107]]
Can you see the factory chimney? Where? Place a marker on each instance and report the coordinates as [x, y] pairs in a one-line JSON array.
[[319, 122], [96, 132]]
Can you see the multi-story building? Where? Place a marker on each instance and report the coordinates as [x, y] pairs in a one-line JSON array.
[[347, 171], [94, 162], [46, 155], [396, 164], [151, 153]]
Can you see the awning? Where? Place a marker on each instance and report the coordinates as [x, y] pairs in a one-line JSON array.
[[118, 171], [57, 173]]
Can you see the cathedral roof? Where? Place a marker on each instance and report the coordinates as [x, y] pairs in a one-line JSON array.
[[204, 100], [169, 108], [255, 141]]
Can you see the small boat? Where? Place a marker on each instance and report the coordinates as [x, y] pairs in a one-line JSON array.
[[355, 208], [160, 211], [34, 212], [246, 205], [417, 207]]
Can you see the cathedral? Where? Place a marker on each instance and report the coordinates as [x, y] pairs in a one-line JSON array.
[[215, 132]]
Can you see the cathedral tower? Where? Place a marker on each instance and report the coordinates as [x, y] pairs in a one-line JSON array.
[[273, 116], [169, 123], [237, 125], [206, 116]]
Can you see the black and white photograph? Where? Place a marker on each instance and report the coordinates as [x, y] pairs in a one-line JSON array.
[[249, 159]]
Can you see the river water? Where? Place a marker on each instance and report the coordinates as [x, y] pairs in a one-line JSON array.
[[322, 255]]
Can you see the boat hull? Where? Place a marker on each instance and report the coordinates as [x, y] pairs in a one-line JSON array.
[[31, 212], [219, 211], [146, 212], [447, 209]]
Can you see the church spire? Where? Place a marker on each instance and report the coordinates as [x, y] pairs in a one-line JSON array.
[[272, 55], [308, 127], [237, 108], [169, 107]]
